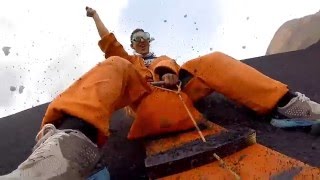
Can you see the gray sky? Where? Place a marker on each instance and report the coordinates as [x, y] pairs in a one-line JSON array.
[[53, 42]]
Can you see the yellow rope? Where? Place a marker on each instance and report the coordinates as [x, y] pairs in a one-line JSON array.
[[223, 164], [186, 107]]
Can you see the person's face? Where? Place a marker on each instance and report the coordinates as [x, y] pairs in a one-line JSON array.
[[140, 42]]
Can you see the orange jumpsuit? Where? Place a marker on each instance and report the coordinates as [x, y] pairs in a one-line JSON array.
[[121, 80]]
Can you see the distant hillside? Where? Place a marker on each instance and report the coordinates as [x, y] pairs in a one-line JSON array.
[[296, 34]]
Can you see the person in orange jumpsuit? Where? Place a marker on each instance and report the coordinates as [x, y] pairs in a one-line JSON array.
[[82, 112]]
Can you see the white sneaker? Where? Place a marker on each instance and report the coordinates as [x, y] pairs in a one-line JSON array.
[[301, 107], [59, 154]]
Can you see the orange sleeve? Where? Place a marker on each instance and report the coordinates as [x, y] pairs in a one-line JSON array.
[[163, 65], [111, 47]]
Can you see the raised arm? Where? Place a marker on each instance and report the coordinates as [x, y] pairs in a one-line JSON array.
[[103, 31], [108, 43]]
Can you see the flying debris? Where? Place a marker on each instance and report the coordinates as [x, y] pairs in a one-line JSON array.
[[6, 50], [21, 88], [12, 88]]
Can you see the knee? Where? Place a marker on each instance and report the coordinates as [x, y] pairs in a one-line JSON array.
[[118, 62], [221, 55], [217, 54]]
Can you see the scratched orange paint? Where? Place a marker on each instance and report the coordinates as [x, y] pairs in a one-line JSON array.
[[253, 162], [161, 145]]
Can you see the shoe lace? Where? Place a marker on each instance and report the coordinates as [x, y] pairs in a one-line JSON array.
[[44, 145], [302, 97]]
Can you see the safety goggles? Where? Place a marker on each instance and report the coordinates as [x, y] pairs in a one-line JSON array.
[[138, 36]]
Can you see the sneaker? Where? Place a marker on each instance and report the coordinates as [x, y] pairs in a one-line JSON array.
[[301, 107], [58, 154]]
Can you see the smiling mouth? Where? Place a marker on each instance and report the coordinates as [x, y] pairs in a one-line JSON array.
[[142, 44], [143, 47]]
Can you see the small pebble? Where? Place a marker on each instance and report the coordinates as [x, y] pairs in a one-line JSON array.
[[6, 50], [12, 88], [21, 89]]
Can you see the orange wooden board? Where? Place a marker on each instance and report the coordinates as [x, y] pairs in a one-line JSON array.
[[161, 145], [253, 162]]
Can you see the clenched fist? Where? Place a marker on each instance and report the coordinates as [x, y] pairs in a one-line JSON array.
[[90, 12]]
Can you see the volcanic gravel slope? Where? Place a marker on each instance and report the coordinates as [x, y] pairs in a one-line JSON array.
[[298, 69]]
